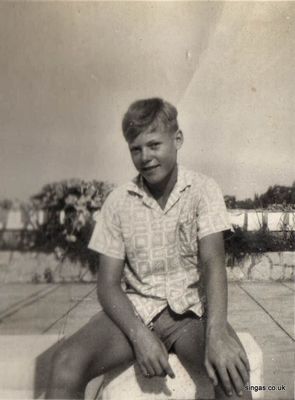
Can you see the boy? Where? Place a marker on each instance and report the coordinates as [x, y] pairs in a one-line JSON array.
[[163, 233]]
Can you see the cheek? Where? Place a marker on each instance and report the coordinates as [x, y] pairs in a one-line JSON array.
[[168, 155], [135, 160]]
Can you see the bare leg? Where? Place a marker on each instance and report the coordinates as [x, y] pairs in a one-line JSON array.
[[190, 349], [96, 348]]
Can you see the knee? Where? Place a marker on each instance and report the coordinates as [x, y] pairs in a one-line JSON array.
[[67, 366]]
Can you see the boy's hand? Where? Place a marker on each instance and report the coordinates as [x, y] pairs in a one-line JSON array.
[[225, 356], [151, 355]]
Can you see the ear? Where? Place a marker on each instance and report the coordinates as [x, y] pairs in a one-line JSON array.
[[178, 139]]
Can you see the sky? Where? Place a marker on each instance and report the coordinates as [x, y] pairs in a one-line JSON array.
[[69, 70]]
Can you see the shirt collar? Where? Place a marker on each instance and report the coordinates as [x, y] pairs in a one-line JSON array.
[[184, 179]]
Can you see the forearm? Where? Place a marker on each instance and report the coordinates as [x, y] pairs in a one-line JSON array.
[[213, 263], [149, 351], [225, 360], [216, 293], [119, 308]]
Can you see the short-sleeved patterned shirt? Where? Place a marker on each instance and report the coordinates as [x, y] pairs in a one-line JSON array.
[[160, 247]]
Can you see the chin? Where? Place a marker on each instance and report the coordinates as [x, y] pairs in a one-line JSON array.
[[155, 180], [152, 181]]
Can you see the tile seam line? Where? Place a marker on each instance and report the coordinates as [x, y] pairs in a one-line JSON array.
[[267, 312], [286, 286], [22, 301], [27, 302], [68, 311]]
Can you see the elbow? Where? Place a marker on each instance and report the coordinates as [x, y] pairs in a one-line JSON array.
[[99, 291], [102, 288], [106, 290]]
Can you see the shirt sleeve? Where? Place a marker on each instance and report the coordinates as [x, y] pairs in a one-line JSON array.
[[212, 215], [107, 235]]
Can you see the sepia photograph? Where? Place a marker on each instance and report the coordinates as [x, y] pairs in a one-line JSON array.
[[147, 204]]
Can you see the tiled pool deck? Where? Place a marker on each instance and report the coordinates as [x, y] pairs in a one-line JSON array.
[[265, 310]]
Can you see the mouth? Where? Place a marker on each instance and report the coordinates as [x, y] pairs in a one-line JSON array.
[[148, 169]]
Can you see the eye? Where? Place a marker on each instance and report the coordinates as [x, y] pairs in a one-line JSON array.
[[154, 146], [134, 150]]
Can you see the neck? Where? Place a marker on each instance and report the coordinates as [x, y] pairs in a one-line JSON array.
[[163, 189]]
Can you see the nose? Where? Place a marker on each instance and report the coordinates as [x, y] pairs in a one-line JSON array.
[[145, 155]]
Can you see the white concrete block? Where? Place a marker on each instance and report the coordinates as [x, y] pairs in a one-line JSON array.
[[255, 357], [262, 268], [288, 258], [24, 366], [25, 361], [130, 383], [277, 272], [235, 274], [20, 356]]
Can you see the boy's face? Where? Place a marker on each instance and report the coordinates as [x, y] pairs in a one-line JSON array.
[[154, 154]]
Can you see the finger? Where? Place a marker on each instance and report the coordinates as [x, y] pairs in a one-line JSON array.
[[242, 353], [211, 373], [150, 370], [243, 372], [165, 354], [143, 369], [159, 370], [225, 380], [245, 360], [147, 369], [170, 371], [164, 363], [236, 379], [167, 367]]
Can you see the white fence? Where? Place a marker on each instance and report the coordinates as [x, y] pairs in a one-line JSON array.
[[253, 220], [250, 220]]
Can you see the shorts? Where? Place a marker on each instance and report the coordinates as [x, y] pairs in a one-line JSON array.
[[169, 326]]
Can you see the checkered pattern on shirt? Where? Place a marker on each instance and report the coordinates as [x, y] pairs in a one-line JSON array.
[[160, 247]]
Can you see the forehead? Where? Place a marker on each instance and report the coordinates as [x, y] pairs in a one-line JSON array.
[[147, 136]]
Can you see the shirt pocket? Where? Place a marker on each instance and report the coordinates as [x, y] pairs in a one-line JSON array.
[[187, 237]]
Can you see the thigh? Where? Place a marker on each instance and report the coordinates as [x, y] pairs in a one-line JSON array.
[[98, 346], [190, 345], [190, 349]]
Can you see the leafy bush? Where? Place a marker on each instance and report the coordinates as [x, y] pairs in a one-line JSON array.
[[240, 242], [68, 207]]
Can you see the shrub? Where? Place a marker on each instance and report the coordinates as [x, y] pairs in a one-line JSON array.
[[68, 207], [240, 242]]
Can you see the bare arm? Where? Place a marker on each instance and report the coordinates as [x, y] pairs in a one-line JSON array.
[[112, 298], [149, 351], [213, 261], [223, 354]]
